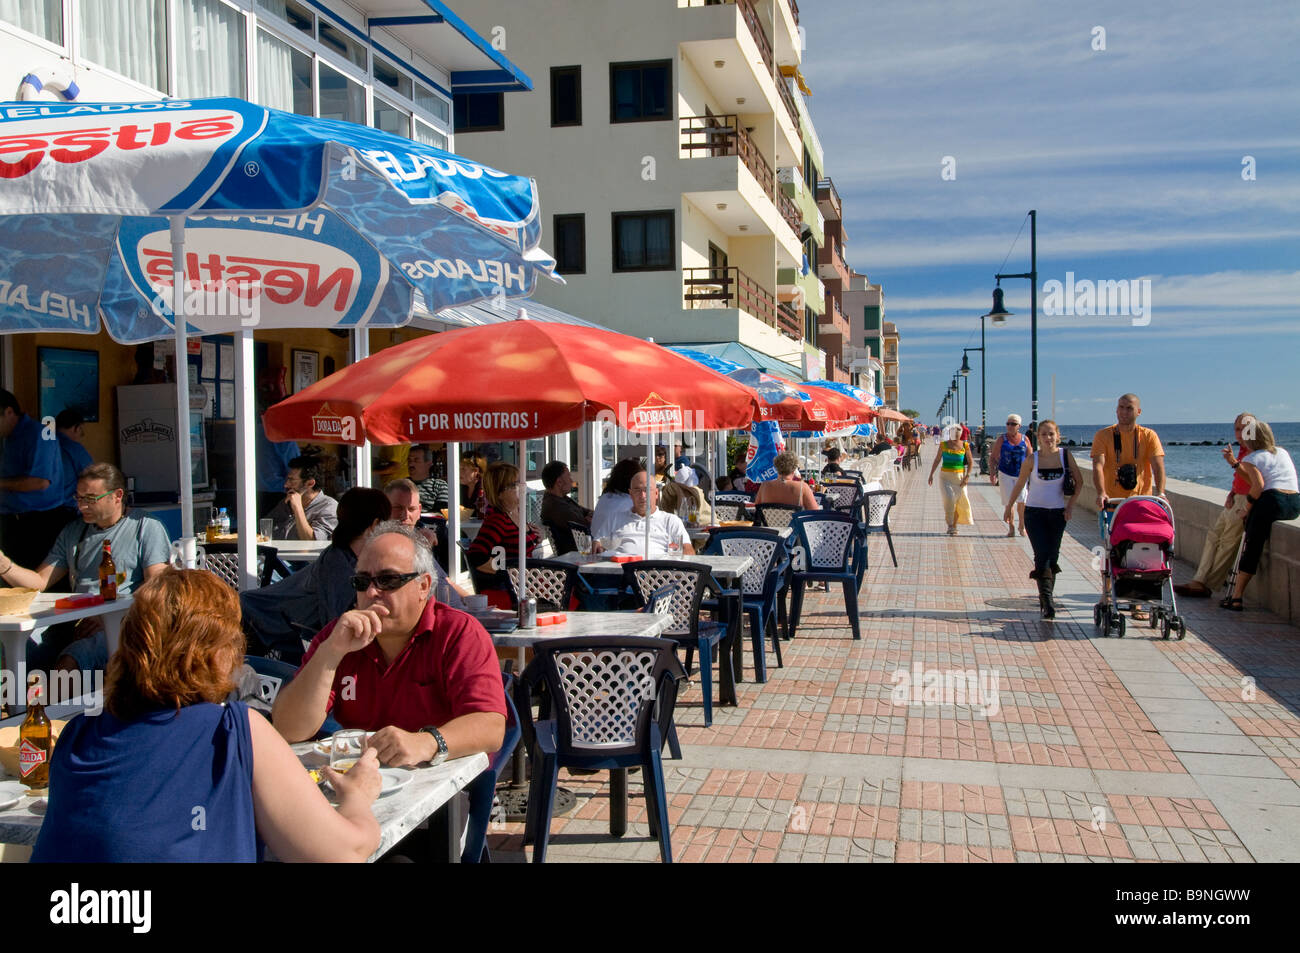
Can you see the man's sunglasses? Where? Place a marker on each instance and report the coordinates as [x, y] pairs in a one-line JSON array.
[[384, 581]]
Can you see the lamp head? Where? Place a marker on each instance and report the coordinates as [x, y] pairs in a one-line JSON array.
[[998, 314], [965, 365]]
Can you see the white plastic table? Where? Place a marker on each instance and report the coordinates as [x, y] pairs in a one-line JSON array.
[[298, 550], [16, 629], [429, 790]]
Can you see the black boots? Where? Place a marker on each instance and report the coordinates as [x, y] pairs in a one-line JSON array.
[[1046, 583]]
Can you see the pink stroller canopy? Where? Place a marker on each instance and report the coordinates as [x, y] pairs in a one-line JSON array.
[[1141, 521]]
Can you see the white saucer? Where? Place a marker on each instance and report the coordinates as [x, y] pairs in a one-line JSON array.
[[394, 780]]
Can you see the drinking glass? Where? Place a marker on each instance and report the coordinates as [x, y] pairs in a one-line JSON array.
[[674, 549], [345, 749], [266, 527]]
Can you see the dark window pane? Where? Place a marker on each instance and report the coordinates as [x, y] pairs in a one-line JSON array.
[[570, 244], [658, 241], [631, 242], [627, 95], [566, 96], [640, 91], [654, 91], [643, 241], [479, 112]]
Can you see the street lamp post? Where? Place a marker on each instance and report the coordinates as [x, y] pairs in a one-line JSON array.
[[965, 372], [999, 315]]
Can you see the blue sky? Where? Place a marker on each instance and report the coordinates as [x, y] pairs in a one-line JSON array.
[[1133, 157]]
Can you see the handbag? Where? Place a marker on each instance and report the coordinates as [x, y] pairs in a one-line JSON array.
[[1067, 486]]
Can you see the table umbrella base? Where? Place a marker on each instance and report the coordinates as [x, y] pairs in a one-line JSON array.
[[514, 801]]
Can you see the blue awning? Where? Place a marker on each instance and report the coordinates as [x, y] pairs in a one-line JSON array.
[[748, 357]]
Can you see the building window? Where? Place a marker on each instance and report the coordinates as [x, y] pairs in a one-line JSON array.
[[211, 38], [429, 136], [643, 241], [340, 98], [480, 112], [571, 244], [810, 326], [128, 37], [335, 39], [283, 76], [566, 96], [640, 92], [42, 17], [431, 102], [391, 119], [388, 75]]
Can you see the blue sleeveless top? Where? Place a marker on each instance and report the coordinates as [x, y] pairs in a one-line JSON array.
[[170, 786], [1012, 456]]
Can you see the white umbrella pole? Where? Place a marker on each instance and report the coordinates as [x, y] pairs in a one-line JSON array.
[[245, 464], [184, 458], [523, 526], [649, 485]]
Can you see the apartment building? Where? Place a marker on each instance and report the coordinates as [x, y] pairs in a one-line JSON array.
[[833, 333], [678, 165], [889, 335], [864, 311]]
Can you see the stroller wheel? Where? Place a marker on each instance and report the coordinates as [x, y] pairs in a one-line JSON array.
[[1120, 625], [1096, 616], [1154, 616], [1182, 629], [1164, 628]]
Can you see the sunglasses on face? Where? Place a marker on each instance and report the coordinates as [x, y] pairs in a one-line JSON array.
[[90, 500], [384, 581]]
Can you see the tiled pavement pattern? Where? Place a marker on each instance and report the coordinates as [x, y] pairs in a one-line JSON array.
[[1065, 746]]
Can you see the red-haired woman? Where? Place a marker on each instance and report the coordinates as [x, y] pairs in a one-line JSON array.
[[170, 771]]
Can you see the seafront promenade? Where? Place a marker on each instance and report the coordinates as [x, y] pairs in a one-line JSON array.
[[1063, 745]]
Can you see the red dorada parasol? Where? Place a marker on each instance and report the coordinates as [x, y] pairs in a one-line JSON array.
[[518, 381]]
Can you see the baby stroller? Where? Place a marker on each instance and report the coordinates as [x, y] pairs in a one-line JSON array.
[[1139, 542]]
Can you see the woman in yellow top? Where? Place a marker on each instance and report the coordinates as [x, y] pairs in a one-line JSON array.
[[954, 454]]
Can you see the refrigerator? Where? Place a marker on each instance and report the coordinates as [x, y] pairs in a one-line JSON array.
[[146, 439]]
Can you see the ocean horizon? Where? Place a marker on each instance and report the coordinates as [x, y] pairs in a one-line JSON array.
[[1192, 451]]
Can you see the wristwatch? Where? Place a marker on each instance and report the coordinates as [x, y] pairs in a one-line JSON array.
[[441, 756]]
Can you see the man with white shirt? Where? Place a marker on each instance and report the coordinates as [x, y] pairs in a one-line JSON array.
[[665, 528]]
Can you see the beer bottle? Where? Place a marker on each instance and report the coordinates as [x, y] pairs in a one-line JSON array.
[[34, 740], [107, 575]]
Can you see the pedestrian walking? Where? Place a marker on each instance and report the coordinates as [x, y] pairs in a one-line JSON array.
[[1127, 460], [1050, 480], [954, 455], [1009, 452]]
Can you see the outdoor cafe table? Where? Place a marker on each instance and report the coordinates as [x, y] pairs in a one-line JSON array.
[[428, 790], [726, 571], [578, 624], [298, 550], [16, 629]]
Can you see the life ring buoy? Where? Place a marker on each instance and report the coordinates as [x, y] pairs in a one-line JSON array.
[[54, 80]]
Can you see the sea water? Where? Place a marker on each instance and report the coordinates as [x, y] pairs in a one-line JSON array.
[[1185, 456]]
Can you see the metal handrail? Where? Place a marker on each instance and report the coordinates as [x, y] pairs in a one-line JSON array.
[[725, 136], [730, 288]]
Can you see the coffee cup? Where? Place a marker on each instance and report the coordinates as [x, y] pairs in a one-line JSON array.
[[187, 555]]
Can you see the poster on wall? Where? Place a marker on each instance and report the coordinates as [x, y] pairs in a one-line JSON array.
[[68, 379], [306, 369]]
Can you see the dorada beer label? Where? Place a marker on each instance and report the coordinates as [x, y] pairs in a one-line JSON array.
[[30, 757]]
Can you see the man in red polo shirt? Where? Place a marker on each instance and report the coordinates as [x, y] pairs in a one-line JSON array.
[[419, 674]]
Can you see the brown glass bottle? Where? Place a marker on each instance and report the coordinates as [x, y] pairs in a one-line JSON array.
[[107, 575], [35, 740]]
